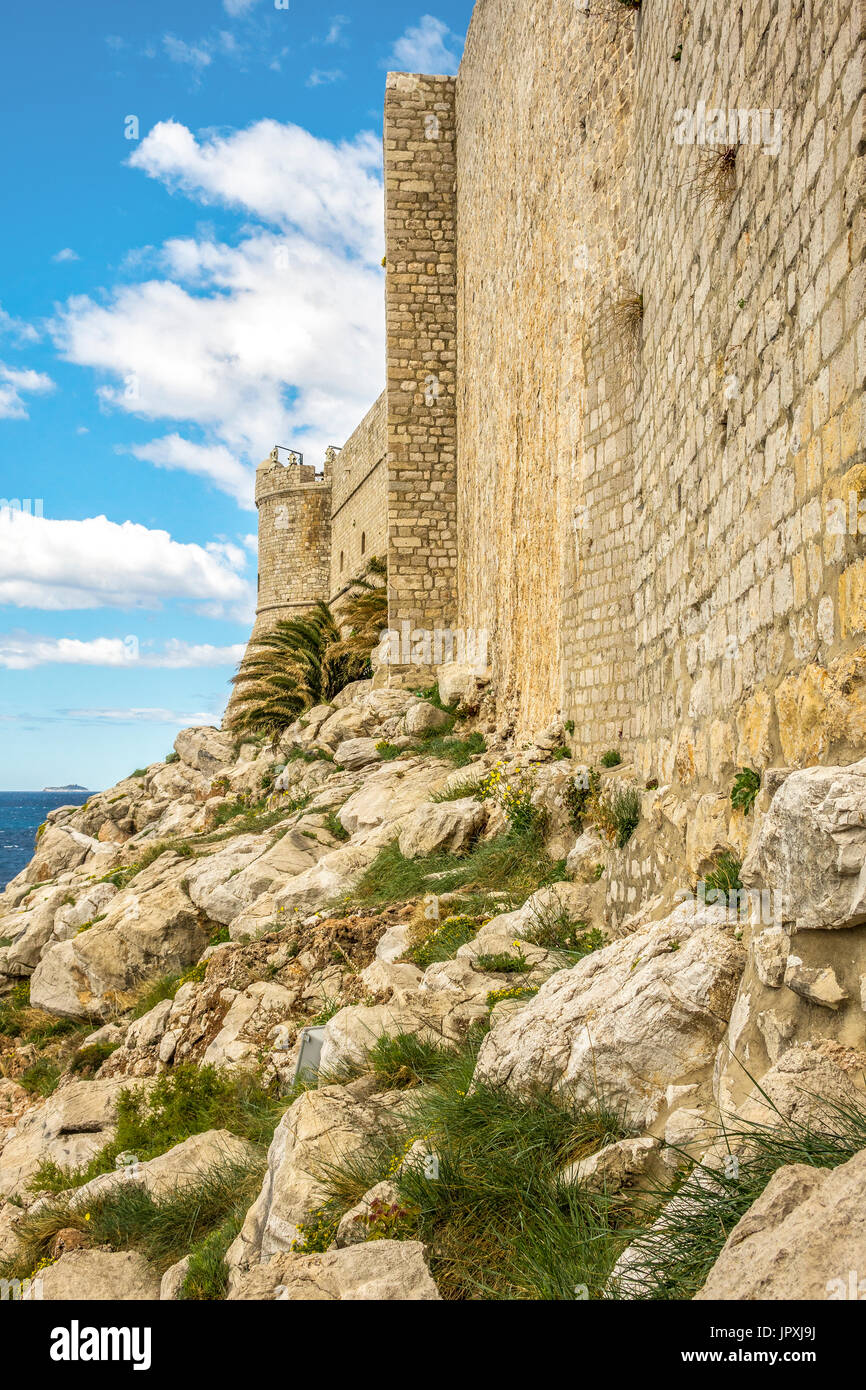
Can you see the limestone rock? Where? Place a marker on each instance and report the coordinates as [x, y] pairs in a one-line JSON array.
[[422, 718], [97, 1276], [173, 1280], [461, 682], [205, 750], [628, 1021], [585, 855], [392, 944], [353, 1229], [73, 1125], [818, 986], [184, 1165], [615, 1166], [379, 1271], [799, 1240], [770, 950], [446, 826], [811, 848], [323, 1126], [386, 794], [254, 1011], [151, 928], [354, 753]]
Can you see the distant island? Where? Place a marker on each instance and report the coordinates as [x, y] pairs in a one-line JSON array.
[[72, 787]]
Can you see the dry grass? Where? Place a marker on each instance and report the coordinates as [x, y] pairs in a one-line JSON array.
[[714, 181]]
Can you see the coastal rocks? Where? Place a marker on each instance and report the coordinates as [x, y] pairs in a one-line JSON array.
[[816, 820], [355, 753], [251, 1017], [446, 827], [628, 1021], [323, 1126], [96, 1276], [799, 1239], [380, 1271], [73, 1125], [206, 750], [423, 718], [151, 928], [389, 793], [436, 1015]]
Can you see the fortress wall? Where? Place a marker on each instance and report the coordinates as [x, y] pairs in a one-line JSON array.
[[545, 378], [359, 498], [748, 610], [419, 140], [294, 541]]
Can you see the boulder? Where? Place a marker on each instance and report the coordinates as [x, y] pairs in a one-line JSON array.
[[803, 1238], [206, 750], [811, 848], [422, 718], [185, 1165], [323, 1126], [392, 944], [151, 928], [172, 1282], [584, 857], [354, 753], [353, 1228], [380, 1271], [619, 1165], [96, 1276], [387, 794], [69, 1129], [628, 1021], [439, 1016], [461, 683], [251, 1016], [444, 827]]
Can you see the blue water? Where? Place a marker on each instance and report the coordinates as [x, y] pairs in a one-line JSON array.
[[21, 814]]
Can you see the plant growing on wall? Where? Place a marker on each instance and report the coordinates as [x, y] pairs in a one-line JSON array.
[[747, 784], [715, 179]]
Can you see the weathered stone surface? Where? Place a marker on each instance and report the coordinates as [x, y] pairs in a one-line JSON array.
[[584, 857], [770, 949], [439, 1015], [461, 682], [799, 1240], [811, 848], [380, 1271], [387, 794], [184, 1165], [447, 826], [392, 944], [97, 1276], [615, 1166], [354, 753], [151, 928], [205, 750], [322, 1126], [72, 1126], [628, 1021], [173, 1280], [251, 1014], [818, 986], [422, 718]]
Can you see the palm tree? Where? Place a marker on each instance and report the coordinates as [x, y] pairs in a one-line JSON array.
[[306, 661]]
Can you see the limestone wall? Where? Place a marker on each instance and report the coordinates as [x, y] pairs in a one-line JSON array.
[[420, 309], [359, 499], [660, 377], [545, 375]]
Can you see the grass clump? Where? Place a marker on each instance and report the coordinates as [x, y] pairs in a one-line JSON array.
[[41, 1077], [747, 784], [128, 1218], [554, 928], [457, 792], [87, 1060], [188, 1100], [501, 963], [335, 826], [724, 877], [488, 1201], [580, 792], [612, 758], [616, 812], [443, 941], [405, 1060], [458, 751]]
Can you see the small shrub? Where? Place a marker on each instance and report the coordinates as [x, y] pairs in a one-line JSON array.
[[515, 798], [725, 875], [139, 772], [443, 942], [41, 1077], [747, 784], [616, 813], [715, 179], [86, 1060], [317, 1233], [502, 963], [496, 996], [172, 757], [579, 793], [612, 758], [457, 792]]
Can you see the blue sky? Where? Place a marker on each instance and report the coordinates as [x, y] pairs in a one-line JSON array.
[[190, 254]]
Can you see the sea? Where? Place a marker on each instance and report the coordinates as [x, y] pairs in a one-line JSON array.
[[21, 814]]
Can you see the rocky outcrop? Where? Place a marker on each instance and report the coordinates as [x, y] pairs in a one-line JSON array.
[[383, 1271], [96, 1276]]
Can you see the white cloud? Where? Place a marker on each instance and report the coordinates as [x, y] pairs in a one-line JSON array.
[[335, 32], [22, 651], [429, 46], [213, 461], [14, 381], [237, 7], [195, 55], [323, 78], [281, 174], [58, 565], [17, 329], [198, 719], [67, 254]]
